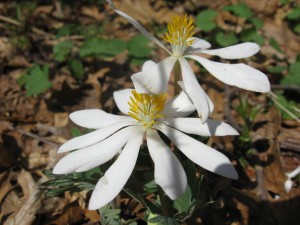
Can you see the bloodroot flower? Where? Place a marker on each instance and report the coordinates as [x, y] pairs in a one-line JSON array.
[[185, 45], [147, 115]]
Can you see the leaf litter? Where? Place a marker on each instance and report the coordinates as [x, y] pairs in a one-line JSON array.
[[49, 69]]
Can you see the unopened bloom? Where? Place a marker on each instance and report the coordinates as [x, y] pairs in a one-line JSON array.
[[145, 114], [185, 45]]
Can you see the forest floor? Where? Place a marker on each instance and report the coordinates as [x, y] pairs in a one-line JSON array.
[[57, 57]]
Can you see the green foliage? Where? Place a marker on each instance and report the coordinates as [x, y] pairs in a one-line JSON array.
[[73, 182], [184, 201], [110, 216], [76, 68], [205, 20], [102, 47], [240, 9], [226, 39], [275, 45], [294, 14], [293, 77], [35, 80], [252, 36], [288, 105], [62, 50], [258, 23], [154, 219], [277, 69], [139, 47]]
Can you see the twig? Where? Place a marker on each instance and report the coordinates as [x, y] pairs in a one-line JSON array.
[[34, 29], [286, 87], [34, 136]]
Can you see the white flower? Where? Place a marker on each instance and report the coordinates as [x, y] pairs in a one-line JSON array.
[[184, 45], [288, 184], [145, 114]]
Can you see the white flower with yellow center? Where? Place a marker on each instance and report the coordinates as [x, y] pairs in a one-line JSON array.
[[145, 114], [184, 45]]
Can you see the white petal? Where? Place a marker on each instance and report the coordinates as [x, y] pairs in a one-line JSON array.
[[201, 154], [115, 178], [138, 26], [93, 137], [238, 51], [288, 184], [121, 98], [155, 79], [168, 171], [179, 106], [194, 126], [96, 118], [200, 99], [239, 75], [198, 45], [94, 155], [148, 64]]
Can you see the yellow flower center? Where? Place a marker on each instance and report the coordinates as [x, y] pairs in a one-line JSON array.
[[180, 30], [146, 108]]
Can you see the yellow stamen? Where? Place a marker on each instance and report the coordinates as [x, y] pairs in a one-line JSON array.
[[180, 30], [146, 108]]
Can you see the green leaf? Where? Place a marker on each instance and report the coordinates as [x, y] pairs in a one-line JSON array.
[[139, 46], [35, 80], [258, 23], [109, 216], [155, 219], [288, 105], [275, 45], [76, 68], [252, 36], [150, 187], [240, 9], [226, 39], [293, 77], [75, 132], [277, 69], [297, 28], [294, 14], [205, 20], [62, 50], [184, 201], [102, 47]]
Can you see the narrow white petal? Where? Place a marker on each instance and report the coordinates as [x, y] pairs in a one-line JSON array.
[[201, 154], [138, 26], [197, 46], [194, 126], [179, 106], [148, 64], [115, 178], [288, 184], [200, 99], [94, 155], [238, 51], [239, 75], [155, 79], [96, 118], [93, 137], [168, 171], [121, 98]]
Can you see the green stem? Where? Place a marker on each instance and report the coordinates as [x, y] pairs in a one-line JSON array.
[[163, 201], [177, 76]]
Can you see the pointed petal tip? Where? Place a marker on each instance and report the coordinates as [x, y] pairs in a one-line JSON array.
[[227, 170], [94, 204]]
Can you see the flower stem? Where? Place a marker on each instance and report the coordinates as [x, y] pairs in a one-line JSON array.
[[163, 201], [177, 76]]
